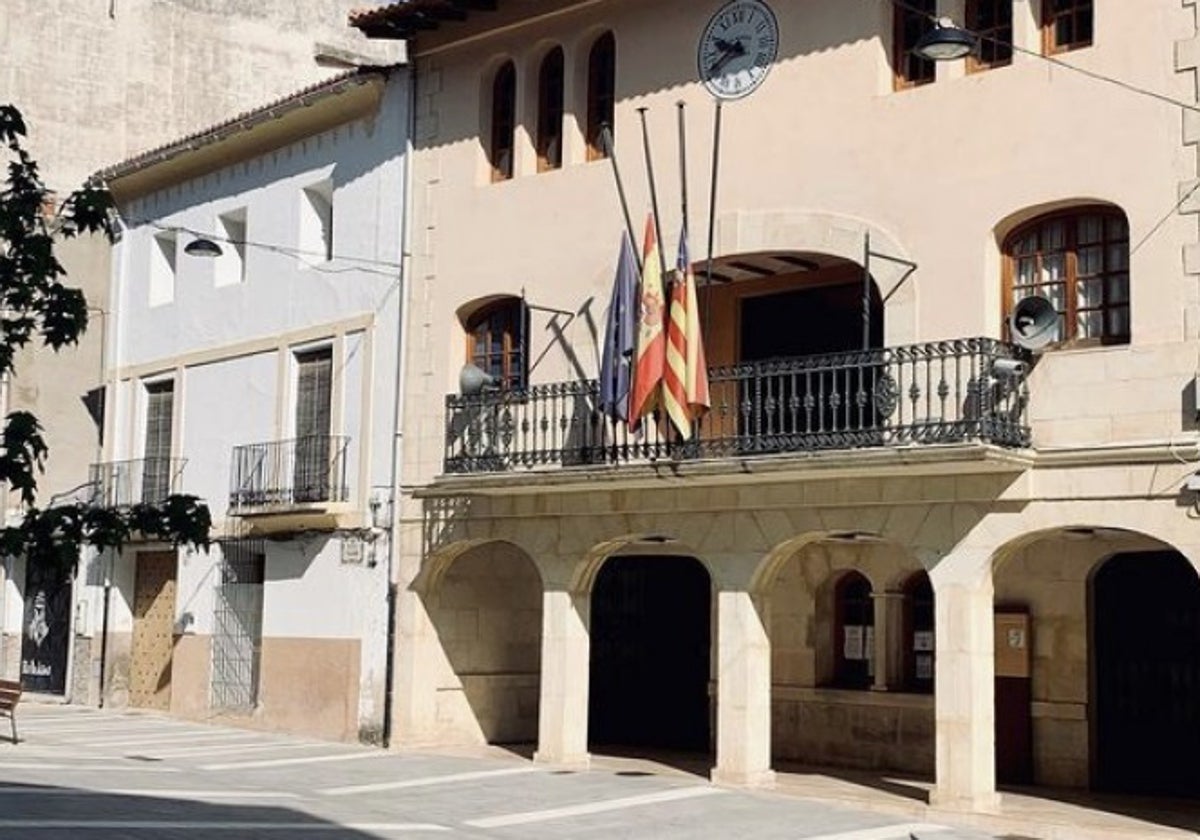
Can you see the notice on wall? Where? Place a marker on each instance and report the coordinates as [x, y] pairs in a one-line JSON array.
[[924, 666], [869, 642], [923, 640], [853, 646]]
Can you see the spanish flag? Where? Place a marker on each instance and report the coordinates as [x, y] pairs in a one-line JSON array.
[[651, 351]]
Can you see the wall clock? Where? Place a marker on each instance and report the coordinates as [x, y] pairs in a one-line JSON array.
[[737, 49]]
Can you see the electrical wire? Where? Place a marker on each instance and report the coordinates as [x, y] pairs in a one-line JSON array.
[[298, 253]]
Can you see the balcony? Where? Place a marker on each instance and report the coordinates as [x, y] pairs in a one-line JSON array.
[[947, 392], [303, 474], [125, 483]]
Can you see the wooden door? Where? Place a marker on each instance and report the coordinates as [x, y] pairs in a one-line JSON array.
[[153, 629], [1013, 697]]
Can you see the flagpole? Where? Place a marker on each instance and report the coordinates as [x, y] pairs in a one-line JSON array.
[[662, 259], [712, 218], [607, 144], [683, 182]]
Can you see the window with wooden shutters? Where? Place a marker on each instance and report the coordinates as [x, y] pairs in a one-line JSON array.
[[156, 470], [314, 386], [550, 111], [504, 122], [910, 21], [1079, 261], [1066, 25], [497, 342], [991, 21], [601, 92]]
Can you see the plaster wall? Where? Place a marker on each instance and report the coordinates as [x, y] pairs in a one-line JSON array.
[[823, 152]]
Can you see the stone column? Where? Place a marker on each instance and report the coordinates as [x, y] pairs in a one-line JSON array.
[[743, 693], [566, 653], [963, 679], [889, 630]]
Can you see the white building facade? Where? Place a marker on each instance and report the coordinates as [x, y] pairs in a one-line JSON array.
[[263, 381]]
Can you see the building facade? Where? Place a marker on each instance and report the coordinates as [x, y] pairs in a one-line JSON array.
[[262, 380], [898, 541], [97, 83]]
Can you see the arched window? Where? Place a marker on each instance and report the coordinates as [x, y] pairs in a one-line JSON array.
[[918, 634], [550, 111], [1079, 261], [497, 342], [1066, 25], [601, 92], [504, 122], [854, 632]]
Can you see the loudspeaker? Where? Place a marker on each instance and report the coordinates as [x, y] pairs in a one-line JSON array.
[[472, 380], [1033, 322]]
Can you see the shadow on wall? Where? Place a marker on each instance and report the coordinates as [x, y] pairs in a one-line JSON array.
[[487, 611]]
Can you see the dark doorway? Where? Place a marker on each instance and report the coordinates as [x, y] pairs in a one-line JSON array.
[[650, 639], [1145, 610], [797, 394], [46, 629], [808, 322]]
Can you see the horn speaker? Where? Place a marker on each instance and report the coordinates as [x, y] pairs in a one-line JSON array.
[[472, 380], [1033, 323]]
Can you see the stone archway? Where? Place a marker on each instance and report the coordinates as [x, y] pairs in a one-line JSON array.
[[650, 643], [1046, 618], [485, 605], [839, 628]]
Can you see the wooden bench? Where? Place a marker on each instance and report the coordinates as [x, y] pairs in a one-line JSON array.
[[10, 695]]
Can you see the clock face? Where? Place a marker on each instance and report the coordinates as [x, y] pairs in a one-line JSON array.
[[737, 48]]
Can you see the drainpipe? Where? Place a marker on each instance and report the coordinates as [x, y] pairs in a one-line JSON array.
[[108, 554], [401, 378]]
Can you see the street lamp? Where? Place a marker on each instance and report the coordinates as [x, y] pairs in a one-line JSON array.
[[945, 42], [202, 247]]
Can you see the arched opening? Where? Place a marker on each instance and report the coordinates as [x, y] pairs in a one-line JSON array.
[[917, 641], [651, 637], [486, 607], [601, 92], [790, 326], [550, 111], [1145, 634], [503, 122], [838, 621], [1092, 651]]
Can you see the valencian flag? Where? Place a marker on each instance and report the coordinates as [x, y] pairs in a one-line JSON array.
[[616, 367], [651, 350], [685, 382]]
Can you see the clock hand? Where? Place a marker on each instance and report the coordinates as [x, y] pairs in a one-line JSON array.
[[736, 50]]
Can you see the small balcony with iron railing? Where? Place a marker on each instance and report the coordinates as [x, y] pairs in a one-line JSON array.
[[962, 391], [142, 481], [305, 475]]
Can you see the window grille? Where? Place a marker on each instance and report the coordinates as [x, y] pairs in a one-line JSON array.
[[237, 634]]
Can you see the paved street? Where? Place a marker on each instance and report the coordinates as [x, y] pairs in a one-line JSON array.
[[82, 773]]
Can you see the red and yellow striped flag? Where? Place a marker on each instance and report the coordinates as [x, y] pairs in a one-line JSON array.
[[685, 380]]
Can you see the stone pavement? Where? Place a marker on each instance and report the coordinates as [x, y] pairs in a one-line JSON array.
[[83, 773], [86, 774]]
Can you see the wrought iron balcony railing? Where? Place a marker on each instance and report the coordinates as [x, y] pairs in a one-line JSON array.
[[962, 390], [288, 473], [124, 483]]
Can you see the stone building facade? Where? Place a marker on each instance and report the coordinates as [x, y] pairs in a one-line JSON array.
[[906, 554]]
